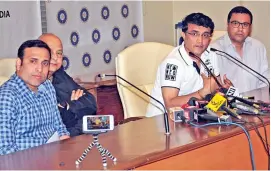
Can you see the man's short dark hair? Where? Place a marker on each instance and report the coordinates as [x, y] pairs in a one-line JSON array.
[[198, 19], [240, 10], [30, 44]]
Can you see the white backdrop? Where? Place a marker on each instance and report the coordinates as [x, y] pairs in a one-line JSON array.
[[94, 32], [24, 23]]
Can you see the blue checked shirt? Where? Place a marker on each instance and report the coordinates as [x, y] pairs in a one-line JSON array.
[[27, 119]]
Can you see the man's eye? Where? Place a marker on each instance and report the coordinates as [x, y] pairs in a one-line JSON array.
[[194, 34], [235, 22], [45, 63], [33, 61], [246, 24], [206, 35]]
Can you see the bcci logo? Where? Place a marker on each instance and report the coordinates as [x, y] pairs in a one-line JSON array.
[[105, 12], [66, 63], [96, 36], [116, 33], [74, 38], [62, 16], [107, 56], [124, 11], [84, 14], [134, 31], [86, 59]]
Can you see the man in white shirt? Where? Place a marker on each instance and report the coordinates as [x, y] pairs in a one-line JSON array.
[[249, 51], [179, 76]]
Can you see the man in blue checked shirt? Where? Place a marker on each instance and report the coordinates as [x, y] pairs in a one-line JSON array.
[[28, 108]]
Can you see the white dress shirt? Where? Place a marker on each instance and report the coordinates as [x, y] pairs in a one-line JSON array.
[[254, 56]]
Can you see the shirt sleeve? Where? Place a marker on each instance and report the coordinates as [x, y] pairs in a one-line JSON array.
[[85, 105], [264, 67], [60, 127], [7, 115], [171, 74]]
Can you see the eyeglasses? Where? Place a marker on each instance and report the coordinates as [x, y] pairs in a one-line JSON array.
[[196, 35], [236, 24]]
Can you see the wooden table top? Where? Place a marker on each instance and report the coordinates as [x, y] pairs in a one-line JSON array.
[[134, 144]]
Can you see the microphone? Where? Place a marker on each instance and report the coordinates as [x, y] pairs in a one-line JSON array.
[[202, 112], [208, 70], [216, 50], [218, 102], [165, 114], [246, 108], [244, 101]]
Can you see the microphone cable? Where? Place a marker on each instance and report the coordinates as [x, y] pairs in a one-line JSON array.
[[264, 141], [245, 131]]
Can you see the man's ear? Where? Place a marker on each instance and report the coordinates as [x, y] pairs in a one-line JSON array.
[[18, 64], [183, 35]]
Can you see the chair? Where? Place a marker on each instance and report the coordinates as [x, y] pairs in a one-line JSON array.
[[7, 68], [138, 64]]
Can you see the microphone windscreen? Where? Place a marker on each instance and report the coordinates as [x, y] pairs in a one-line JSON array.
[[192, 101], [208, 97]]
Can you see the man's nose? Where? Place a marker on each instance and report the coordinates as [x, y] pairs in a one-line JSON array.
[[199, 38], [241, 27], [39, 67], [54, 56]]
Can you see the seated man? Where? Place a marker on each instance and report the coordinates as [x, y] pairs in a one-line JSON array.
[[181, 76], [246, 49], [74, 101], [28, 108]]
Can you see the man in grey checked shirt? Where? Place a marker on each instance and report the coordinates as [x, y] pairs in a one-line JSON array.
[[28, 108]]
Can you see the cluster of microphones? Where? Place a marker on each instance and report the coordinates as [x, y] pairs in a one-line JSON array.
[[218, 107]]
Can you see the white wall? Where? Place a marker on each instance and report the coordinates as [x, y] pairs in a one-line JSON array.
[[159, 17]]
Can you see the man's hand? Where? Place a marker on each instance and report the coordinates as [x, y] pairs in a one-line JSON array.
[[63, 137], [227, 82], [209, 86], [76, 94]]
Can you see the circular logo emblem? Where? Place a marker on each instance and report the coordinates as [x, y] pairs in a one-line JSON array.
[[125, 11], [62, 16], [107, 56], [134, 31], [105, 12], [96, 36], [116, 33], [74, 38], [65, 63], [86, 59], [84, 14]]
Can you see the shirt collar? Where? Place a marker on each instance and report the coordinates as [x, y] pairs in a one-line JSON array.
[[187, 59], [21, 85], [248, 41]]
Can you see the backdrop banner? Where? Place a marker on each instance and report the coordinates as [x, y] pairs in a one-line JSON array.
[[94, 32], [19, 21]]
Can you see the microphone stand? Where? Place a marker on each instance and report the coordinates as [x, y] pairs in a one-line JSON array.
[[236, 60], [165, 114]]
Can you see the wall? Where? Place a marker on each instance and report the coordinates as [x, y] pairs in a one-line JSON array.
[[157, 21], [159, 17]]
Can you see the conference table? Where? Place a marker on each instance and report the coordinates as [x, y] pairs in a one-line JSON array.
[[143, 145]]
